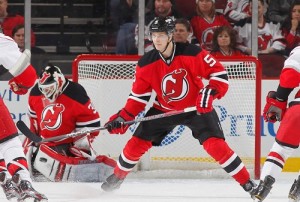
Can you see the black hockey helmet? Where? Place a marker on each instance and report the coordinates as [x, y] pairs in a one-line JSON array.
[[51, 82], [162, 24]]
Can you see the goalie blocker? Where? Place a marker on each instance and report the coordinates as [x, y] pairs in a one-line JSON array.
[[57, 167]]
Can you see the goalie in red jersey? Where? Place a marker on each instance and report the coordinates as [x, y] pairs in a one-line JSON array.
[[58, 106], [14, 174], [288, 135], [175, 71]]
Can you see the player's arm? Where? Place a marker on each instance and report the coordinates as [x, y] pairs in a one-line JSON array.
[[24, 74], [213, 70], [138, 98], [276, 102], [18, 65]]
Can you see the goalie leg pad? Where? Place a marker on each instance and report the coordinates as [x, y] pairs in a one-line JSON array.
[[57, 167]]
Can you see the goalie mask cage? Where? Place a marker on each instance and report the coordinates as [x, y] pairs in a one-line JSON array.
[[108, 79]]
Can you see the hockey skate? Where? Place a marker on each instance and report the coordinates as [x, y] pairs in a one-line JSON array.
[[264, 188], [294, 194], [11, 192], [26, 191], [250, 187], [112, 183]]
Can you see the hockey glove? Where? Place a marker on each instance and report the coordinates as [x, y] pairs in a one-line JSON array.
[[205, 100], [274, 109], [21, 83], [116, 125]]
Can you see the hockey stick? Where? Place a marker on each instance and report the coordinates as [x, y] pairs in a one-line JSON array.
[[158, 116], [37, 139]]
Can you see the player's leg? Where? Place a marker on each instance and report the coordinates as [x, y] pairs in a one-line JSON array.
[[12, 151], [11, 192], [132, 152], [207, 129], [287, 141], [147, 134], [18, 169]]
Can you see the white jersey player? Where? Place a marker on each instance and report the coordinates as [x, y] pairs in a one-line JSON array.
[[12, 159], [237, 10], [288, 135]]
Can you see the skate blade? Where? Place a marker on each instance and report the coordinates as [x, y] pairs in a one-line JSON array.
[[30, 199], [256, 200], [292, 200]]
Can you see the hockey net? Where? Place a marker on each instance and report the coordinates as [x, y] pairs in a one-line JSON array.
[[108, 78]]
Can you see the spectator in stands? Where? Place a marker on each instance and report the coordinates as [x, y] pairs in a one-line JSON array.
[[38, 58], [206, 20], [290, 27], [162, 8], [278, 10], [237, 10], [8, 21], [18, 34], [182, 32], [224, 42], [270, 39], [128, 12]]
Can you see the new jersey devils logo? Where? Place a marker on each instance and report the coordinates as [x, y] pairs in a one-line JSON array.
[[175, 86], [52, 116], [263, 41], [207, 37]]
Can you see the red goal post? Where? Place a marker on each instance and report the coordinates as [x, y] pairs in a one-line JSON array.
[[108, 78]]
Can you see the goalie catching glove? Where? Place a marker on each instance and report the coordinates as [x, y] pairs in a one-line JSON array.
[[116, 125], [274, 109], [205, 99]]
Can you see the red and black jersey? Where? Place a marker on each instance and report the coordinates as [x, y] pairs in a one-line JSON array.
[[221, 53], [203, 29], [176, 80], [72, 111]]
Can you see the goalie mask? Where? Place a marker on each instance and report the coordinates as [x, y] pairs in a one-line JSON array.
[[51, 82]]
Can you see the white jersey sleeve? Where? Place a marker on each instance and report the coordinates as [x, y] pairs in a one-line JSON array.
[[11, 58], [9, 52], [236, 9]]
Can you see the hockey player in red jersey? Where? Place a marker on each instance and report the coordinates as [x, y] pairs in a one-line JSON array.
[[59, 106], [175, 71], [12, 159], [288, 135]]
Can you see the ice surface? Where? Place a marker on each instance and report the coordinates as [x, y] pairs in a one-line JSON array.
[[169, 190]]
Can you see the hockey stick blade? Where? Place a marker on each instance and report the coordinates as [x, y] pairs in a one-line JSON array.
[[37, 139], [27, 132], [158, 116]]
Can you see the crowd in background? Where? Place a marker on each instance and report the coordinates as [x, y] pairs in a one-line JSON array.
[[278, 30], [225, 31]]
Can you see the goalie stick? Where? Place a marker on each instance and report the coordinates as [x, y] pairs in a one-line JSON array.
[[37, 139]]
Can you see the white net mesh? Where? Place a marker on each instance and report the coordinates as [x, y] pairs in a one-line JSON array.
[[108, 84]]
